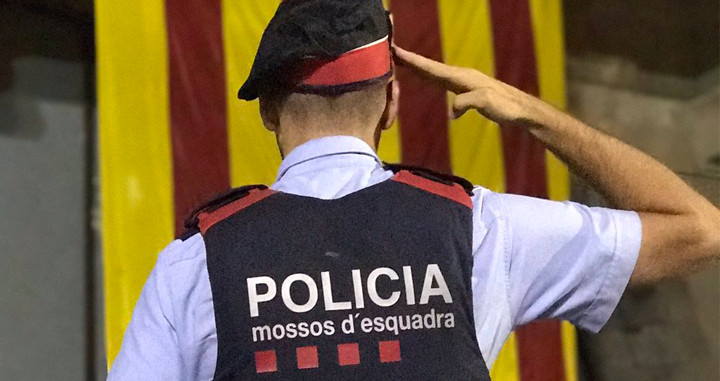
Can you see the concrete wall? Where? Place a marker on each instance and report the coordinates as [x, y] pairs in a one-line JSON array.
[[648, 72], [42, 222], [45, 317], [670, 331]]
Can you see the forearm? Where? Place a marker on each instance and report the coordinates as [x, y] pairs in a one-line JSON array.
[[681, 229], [628, 178]]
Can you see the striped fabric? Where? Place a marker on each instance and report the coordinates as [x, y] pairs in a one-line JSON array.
[[172, 132]]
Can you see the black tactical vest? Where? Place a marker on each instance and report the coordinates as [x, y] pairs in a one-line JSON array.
[[374, 285]]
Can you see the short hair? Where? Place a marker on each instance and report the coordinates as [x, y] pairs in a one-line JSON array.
[[365, 104]]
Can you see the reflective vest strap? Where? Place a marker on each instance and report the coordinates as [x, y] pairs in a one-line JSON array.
[[453, 191], [207, 219]]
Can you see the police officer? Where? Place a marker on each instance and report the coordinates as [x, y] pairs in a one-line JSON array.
[[346, 269]]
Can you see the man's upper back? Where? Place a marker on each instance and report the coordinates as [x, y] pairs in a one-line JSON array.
[[531, 259], [375, 284]]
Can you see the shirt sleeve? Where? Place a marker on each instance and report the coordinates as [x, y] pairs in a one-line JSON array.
[[150, 349], [565, 260]]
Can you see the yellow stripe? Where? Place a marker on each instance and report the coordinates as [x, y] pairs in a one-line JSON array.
[[254, 157], [549, 47], [475, 142], [135, 156], [507, 365], [570, 352], [389, 151]]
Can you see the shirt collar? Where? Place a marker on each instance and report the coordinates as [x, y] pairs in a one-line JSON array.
[[323, 147]]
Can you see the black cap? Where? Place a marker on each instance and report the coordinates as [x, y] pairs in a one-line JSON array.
[[312, 29]]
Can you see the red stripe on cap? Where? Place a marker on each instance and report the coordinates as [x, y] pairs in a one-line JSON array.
[[453, 192], [207, 220], [355, 66]]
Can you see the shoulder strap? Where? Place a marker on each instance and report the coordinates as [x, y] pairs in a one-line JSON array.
[[433, 176], [209, 213], [197, 222]]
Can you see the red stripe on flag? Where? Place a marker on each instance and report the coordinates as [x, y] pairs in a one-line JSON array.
[[423, 107], [540, 352], [197, 103], [539, 344], [516, 65]]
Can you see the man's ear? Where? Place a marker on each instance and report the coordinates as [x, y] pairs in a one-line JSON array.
[[269, 114], [391, 104]]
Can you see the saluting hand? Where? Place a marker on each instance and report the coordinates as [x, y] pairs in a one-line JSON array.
[[679, 227], [495, 100]]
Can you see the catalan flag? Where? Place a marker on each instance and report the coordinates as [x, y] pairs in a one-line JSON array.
[[172, 132]]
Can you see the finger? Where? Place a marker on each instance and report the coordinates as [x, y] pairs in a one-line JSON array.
[[444, 75], [450, 77], [463, 103]]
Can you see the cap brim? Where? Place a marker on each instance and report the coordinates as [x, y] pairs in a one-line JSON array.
[[248, 91]]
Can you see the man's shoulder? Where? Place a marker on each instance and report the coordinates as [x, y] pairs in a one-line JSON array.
[[223, 206], [486, 201], [190, 247]]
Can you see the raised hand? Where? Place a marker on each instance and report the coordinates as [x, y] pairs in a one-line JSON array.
[[495, 100]]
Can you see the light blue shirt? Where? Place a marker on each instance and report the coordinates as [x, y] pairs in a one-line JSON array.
[[532, 259]]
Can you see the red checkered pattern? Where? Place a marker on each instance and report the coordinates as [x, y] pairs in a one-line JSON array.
[[265, 361], [390, 351], [307, 357], [348, 354]]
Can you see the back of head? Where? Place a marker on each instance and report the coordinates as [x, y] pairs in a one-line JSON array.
[[337, 113], [324, 65]]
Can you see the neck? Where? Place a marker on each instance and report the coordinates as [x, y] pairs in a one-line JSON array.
[[291, 135]]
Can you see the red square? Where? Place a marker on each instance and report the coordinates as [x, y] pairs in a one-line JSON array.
[[307, 357], [265, 361], [390, 351], [348, 354]]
